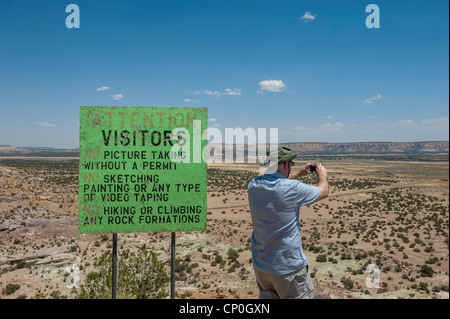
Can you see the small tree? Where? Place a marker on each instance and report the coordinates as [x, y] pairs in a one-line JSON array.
[[233, 255], [426, 271], [10, 289], [139, 276], [348, 283]]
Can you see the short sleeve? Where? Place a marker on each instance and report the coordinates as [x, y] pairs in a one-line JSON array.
[[307, 194]]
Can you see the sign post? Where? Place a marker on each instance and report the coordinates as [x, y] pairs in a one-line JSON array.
[[114, 267], [172, 266], [142, 169]]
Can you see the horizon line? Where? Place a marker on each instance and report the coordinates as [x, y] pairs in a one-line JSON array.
[[224, 143]]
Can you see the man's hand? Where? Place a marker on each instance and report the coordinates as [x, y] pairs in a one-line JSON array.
[[321, 172], [302, 171]]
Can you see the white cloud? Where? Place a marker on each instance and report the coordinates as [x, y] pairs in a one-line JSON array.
[[370, 100], [210, 92], [426, 129], [232, 92], [436, 123], [212, 120], [336, 127], [427, 124], [308, 17], [103, 88], [272, 85], [328, 127], [404, 123], [217, 94], [117, 97], [259, 92], [45, 124], [191, 101]]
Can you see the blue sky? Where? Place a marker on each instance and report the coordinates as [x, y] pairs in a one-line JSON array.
[[312, 69]]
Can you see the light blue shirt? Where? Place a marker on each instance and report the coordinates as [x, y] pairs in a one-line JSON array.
[[275, 206]]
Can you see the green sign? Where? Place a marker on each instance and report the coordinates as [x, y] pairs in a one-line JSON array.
[[142, 169]]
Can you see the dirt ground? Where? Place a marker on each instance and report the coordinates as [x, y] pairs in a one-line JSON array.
[[385, 218]]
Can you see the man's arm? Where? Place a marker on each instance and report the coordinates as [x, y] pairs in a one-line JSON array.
[[321, 172], [302, 171]]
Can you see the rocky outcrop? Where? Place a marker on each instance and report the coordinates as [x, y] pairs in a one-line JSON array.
[[298, 147], [371, 148], [7, 150]]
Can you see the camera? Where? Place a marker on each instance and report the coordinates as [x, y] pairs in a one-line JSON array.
[[312, 168]]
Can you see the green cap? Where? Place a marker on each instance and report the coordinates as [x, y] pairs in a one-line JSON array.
[[278, 154]]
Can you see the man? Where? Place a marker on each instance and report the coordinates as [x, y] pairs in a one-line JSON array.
[[281, 267]]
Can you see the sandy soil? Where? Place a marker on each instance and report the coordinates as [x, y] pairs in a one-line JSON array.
[[394, 215]]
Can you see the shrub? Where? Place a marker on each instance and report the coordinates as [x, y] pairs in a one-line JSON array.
[[218, 260], [423, 286], [139, 275], [348, 283], [346, 256], [10, 289], [426, 271], [232, 255]]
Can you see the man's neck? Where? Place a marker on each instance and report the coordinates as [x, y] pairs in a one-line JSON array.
[[283, 173]]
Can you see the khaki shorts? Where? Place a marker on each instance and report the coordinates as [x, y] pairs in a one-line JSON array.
[[295, 285]]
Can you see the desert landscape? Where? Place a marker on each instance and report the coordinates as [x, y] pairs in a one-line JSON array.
[[388, 212]]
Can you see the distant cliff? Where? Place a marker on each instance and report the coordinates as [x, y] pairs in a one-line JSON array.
[[361, 148], [300, 148], [7, 150], [370, 148]]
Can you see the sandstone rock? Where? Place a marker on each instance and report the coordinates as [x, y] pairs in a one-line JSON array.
[[220, 293], [323, 295], [234, 293]]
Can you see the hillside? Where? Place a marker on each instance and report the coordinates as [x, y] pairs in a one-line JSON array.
[[371, 148], [300, 148], [8, 150]]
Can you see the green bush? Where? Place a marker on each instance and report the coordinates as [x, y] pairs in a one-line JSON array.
[[139, 276], [348, 283], [10, 289], [218, 260], [232, 255], [426, 271]]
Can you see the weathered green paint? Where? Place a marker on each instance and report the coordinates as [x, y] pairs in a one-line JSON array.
[[128, 181]]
